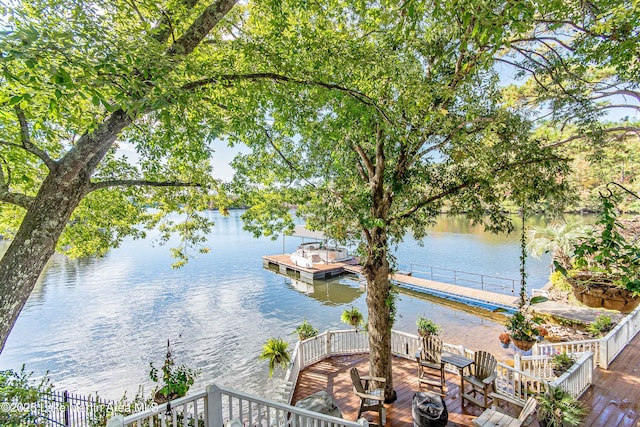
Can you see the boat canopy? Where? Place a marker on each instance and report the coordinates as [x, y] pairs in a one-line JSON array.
[[301, 231]]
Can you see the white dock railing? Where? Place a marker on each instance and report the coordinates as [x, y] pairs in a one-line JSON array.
[[605, 349]]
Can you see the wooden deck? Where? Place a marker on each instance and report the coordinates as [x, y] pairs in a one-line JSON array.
[[614, 397], [612, 400], [332, 375], [320, 271]]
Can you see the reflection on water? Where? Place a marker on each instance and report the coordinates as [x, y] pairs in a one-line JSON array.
[[336, 291], [96, 323]]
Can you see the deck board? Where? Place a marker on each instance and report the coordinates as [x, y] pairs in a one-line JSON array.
[[332, 375], [613, 399], [614, 396]]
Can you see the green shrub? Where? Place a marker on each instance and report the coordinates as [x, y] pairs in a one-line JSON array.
[[559, 281], [20, 396], [600, 326]]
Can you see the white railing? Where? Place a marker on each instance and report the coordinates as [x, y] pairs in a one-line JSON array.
[[188, 410], [538, 366], [220, 406], [605, 349], [517, 385], [577, 378], [528, 377]]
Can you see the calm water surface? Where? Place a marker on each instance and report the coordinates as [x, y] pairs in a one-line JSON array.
[[95, 324]]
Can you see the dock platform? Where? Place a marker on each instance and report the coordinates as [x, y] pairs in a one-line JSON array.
[[320, 271], [475, 297]]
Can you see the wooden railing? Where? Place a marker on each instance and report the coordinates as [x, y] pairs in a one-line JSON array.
[[220, 406], [605, 349]]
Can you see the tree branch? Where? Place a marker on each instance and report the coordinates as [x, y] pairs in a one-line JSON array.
[[17, 199], [627, 129], [138, 182], [200, 27], [359, 96], [25, 137], [365, 159], [463, 185], [286, 160]]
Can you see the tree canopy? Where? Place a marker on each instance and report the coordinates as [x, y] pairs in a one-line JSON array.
[[369, 116]]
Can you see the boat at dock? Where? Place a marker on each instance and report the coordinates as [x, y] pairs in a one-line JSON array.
[[308, 254], [315, 260]]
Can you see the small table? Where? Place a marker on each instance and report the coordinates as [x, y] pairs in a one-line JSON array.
[[459, 362], [493, 418]]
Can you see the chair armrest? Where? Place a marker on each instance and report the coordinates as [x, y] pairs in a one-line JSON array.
[[491, 378], [377, 397], [370, 378]]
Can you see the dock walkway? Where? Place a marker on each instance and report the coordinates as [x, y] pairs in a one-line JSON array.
[[476, 297]]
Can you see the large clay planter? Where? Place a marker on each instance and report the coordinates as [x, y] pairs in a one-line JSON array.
[[603, 295], [522, 345]]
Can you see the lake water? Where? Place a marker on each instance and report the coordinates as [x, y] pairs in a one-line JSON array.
[[95, 324]]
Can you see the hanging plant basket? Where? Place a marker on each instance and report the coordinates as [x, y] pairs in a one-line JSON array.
[[601, 294], [522, 344]]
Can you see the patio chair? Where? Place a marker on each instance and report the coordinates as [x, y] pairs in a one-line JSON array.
[[430, 365], [492, 417], [371, 399], [481, 378]]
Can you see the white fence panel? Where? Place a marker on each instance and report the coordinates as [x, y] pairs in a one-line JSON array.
[[404, 345], [577, 378], [516, 384], [188, 410], [348, 342]]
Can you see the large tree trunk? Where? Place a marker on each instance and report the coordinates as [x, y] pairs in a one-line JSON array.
[[376, 270], [59, 195]]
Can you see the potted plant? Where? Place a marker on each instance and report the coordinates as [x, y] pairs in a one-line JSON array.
[[605, 269], [306, 331], [352, 317], [557, 408], [275, 351], [427, 326], [561, 362], [521, 325], [176, 381], [505, 339], [600, 326], [523, 329]]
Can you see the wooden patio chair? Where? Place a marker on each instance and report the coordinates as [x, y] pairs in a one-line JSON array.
[[482, 374], [371, 399], [430, 365], [492, 417]]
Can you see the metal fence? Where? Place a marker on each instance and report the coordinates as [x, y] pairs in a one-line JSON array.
[[64, 409]]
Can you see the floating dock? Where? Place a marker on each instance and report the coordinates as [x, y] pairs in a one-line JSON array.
[[320, 271], [474, 297]]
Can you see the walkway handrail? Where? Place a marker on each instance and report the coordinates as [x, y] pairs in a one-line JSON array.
[[577, 378], [458, 277], [605, 349], [220, 406]]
